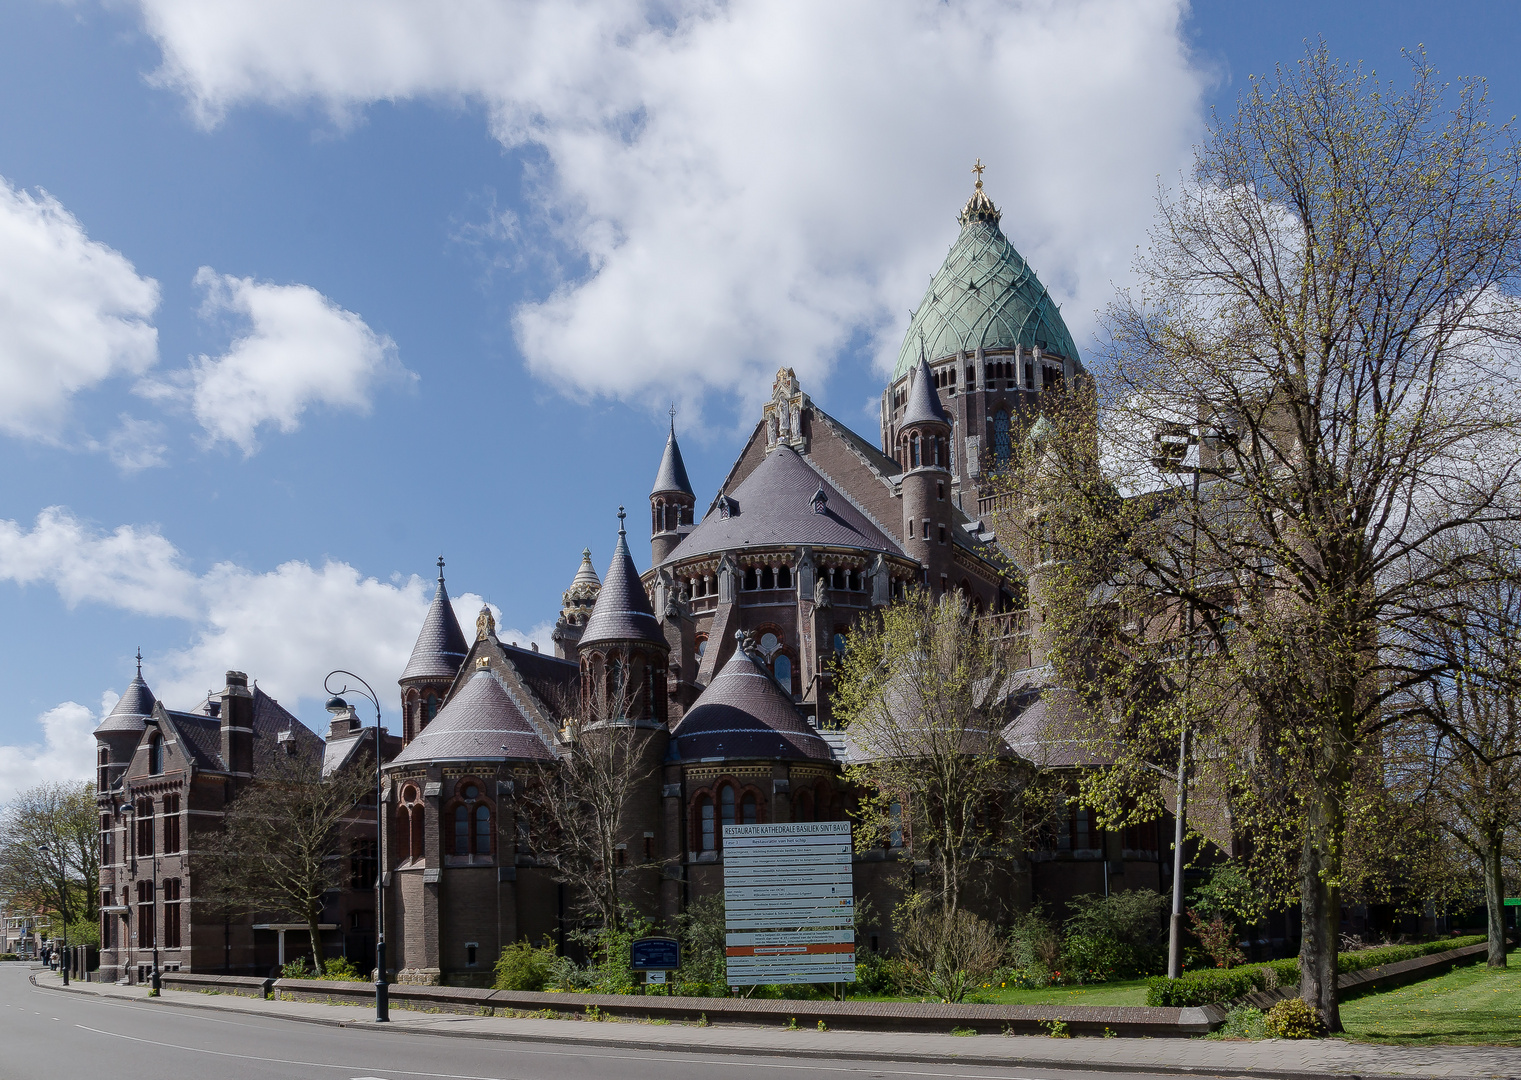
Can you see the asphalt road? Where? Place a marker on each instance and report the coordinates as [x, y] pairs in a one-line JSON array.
[[46, 1034]]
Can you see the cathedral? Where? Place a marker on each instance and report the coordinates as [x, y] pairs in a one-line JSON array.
[[717, 654]]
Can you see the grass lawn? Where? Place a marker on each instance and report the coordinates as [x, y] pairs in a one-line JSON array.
[[1128, 992], [1467, 1005]]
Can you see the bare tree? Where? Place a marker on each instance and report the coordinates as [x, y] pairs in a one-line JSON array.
[[1469, 756], [922, 691], [50, 851], [579, 808], [1324, 337], [284, 836]]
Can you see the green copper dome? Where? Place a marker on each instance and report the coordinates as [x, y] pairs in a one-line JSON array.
[[984, 296]]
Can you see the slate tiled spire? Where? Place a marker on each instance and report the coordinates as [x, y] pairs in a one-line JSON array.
[[133, 707], [441, 646], [923, 400], [622, 612], [672, 476]]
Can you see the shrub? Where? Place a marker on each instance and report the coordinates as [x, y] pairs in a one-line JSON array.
[[1294, 1019], [296, 969], [1243, 1023], [945, 954], [1119, 935], [1033, 941], [876, 974], [521, 966], [1217, 937], [1205, 987], [341, 969], [701, 931]]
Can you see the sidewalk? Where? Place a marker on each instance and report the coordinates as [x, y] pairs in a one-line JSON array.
[[1270, 1058]]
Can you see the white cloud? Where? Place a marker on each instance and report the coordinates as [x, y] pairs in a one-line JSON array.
[[287, 627], [65, 751], [135, 445], [295, 348], [751, 183], [73, 312]]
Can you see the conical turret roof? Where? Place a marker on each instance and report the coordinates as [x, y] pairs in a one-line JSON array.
[[480, 723], [622, 611], [441, 646], [672, 476], [923, 399], [983, 296], [132, 709], [743, 713], [586, 574]]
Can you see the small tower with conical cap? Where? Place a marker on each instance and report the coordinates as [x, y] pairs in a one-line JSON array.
[[436, 659], [623, 650], [119, 733], [924, 446], [576, 605], [672, 501]]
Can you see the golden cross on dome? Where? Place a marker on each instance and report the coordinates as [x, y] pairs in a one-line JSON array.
[[978, 168]]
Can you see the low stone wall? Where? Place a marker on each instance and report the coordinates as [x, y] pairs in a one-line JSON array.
[[841, 1015], [240, 985], [1383, 977]]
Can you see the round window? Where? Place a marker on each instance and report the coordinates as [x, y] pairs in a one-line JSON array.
[[768, 642], [472, 791]]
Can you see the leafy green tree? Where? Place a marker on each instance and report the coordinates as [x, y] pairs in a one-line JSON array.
[[50, 852]]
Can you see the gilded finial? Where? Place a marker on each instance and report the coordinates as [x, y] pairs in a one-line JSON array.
[[978, 169]]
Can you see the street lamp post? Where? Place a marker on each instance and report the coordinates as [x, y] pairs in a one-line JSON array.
[[63, 909], [382, 989]]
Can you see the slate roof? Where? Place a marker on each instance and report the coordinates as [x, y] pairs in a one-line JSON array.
[[479, 723], [983, 296], [673, 471], [1053, 729], [622, 611], [773, 506], [744, 713], [441, 646], [131, 711], [554, 680], [202, 734], [923, 400]]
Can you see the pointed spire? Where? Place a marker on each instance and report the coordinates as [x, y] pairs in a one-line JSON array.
[[979, 207], [133, 708], [923, 399], [672, 475], [622, 611], [441, 647]]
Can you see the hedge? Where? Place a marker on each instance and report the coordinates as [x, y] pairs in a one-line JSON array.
[[1210, 985]]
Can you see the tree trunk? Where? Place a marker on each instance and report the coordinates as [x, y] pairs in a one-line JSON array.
[[1494, 900], [1320, 908], [316, 936]]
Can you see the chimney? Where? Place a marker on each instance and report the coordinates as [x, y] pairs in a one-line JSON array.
[[237, 725]]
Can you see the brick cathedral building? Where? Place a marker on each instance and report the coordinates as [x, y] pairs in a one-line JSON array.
[[718, 654]]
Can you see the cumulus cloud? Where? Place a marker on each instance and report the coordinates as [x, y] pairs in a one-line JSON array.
[[65, 749], [294, 348], [73, 312], [287, 627], [135, 445], [752, 183]]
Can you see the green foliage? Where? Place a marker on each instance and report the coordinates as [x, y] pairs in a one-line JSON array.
[[84, 932], [1217, 937], [1362, 959], [1116, 936], [878, 975], [1294, 1018], [611, 967], [1204, 987], [1242, 1023], [521, 966], [700, 929], [1033, 941], [341, 969], [1057, 1029], [959, 1031], [1229, 893], [299, 968]]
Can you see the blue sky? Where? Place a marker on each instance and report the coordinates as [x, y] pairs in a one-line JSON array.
[[296, 296]]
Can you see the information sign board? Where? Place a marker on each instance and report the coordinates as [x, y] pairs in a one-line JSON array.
[[789, 903], [655, 954]]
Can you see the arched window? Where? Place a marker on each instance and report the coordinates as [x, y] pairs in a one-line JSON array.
[[783, 668], [404, 847], [802, 807], [895, 830], [1001, 435], [784, 578], [702, 647], [767, 578], [725, 806], [430, 707], [483, 830], [748, 811], [156, 755], [707, 837], [913, 451], [462, 830]]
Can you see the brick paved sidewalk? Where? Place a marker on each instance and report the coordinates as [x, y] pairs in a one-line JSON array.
[[1269, 1058]]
